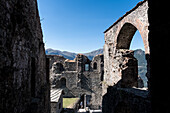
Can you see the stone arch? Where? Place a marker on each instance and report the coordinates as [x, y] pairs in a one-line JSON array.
[[119, 36], [126, 33], [125, 36]]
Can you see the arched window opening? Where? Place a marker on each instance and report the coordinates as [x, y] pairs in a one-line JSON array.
[[63, 82], [102, 76], [87, 68], [95, 65]]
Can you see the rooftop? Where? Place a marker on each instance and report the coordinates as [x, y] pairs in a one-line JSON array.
[[55, 94]]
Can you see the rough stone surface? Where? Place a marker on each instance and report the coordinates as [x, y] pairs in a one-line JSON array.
[[120, 34], [126, 100], [120, 66], [24, 80], [79, 77]]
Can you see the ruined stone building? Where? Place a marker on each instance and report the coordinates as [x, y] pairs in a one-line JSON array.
[[120, 68], [24, 86], [24, 77], [56, 100], [119, 94], [79, 77]]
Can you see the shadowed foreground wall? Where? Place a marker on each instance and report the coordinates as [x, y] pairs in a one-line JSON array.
[[159, 58], [120, 67], [24, 86]]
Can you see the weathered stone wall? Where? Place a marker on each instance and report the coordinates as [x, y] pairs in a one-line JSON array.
[[126, 100], [80, 78], [23, 81], [124, 70], [120, 34], [120, 66]]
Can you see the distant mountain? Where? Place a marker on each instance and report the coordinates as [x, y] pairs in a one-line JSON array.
[[66, 54], [139, 55], [92, 54], [142, 64], [70, 55]]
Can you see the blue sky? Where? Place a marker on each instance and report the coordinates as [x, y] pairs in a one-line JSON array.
[[78, 25]]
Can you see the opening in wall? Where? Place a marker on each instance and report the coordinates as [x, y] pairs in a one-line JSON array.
[[63, 82], [139, 53], [87, 67], [95, 65], [128, 38]]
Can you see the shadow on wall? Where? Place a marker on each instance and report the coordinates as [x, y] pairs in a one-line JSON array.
[[126, 100], [85, 83]]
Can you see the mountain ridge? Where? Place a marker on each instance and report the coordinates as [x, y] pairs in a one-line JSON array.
[[72, 55], [138, 53]]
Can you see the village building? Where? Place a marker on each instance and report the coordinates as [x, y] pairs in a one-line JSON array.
[[56, 97]]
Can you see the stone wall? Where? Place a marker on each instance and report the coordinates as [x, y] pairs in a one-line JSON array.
[[126, 100], [82, 77], [24, 83], [120, 34], [120, 66]]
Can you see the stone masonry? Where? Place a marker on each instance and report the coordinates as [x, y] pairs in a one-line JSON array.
[[120, 93], [24, 78], [120, 34], [79, 77]]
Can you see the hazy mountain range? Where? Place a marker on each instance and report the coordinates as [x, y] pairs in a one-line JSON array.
[[70, 55], [139, 54]]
